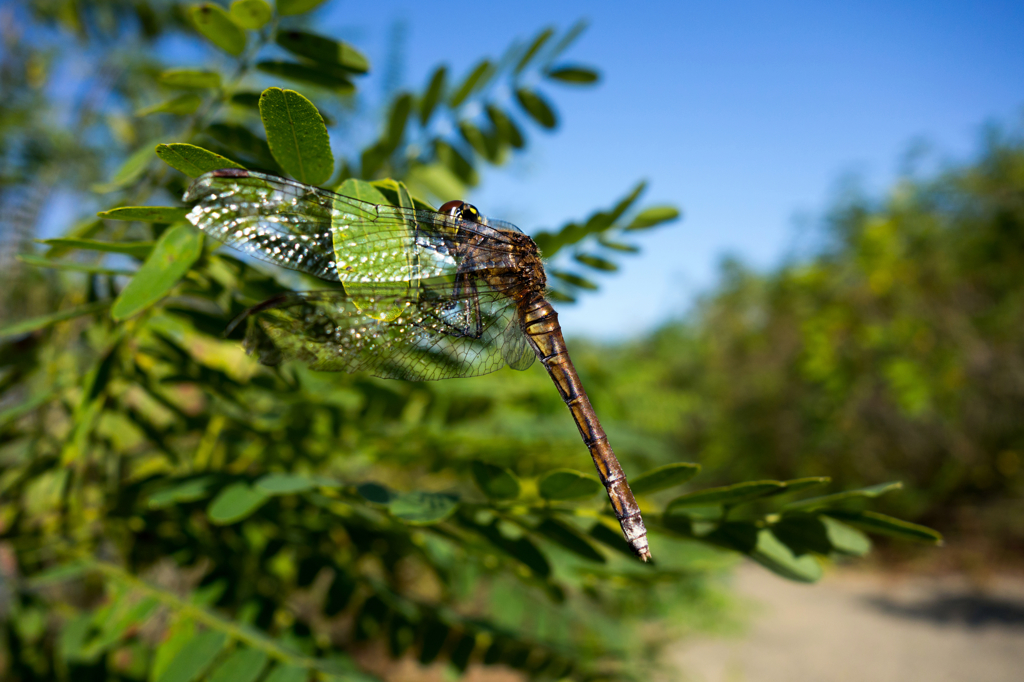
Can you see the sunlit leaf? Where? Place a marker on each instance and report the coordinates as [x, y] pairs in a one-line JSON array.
[[219, 28], [667, 476], [188, 491], [844, 496], [235, 503], [172, 256], [572, 279], [251, 14], [194, 657], [191, 160], [726, 495], [846, 539], [287, 8], [873, 522], [42, 321], [181, 105], [323, 50], [287, 673], [422, 508], [778, 558], [537, 107], [566, 484], [297, 135], [190, 79], [495, 482], [651, 217], [146, 214], [475, 80], [243, 665], [596, 262], [284, 484], [535, 47], [136, 249]]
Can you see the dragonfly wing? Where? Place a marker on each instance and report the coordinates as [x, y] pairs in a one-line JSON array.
[[334, 237], [415, 339]]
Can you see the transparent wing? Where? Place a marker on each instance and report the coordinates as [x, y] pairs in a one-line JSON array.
[[467, 334], [338, 238]]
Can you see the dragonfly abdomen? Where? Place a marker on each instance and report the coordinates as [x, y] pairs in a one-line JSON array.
[[540, 323]]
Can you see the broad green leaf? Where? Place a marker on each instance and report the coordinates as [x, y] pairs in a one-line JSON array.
[[297, 135], [219, 28], [566, 484], [577, 75], [235, 503], [456, 162], [287, 673], [596, 262], [778, 558], [433, 95], [435, 179], [803, 533], [570, 539], [117, 622], [190, 79], [146, 214], [194, 657], [873, 522], [505, 127], [656, 215], [475, 80], [35, 323], [188, 491], [130, 170], [251, 14], [136, 249], [534, 48], [398, 118], [475, 137], [178, 248], [191, 160], [73, 637], [846, 539], [663, 477], [284, 484], [243, 665], [421, 508], [571, 278], [314, 75], [181, 105], [59, 574], [726, 495], [323, 50], [495, 482], [362, 190], [844, 496], [537, 107], [287, 8], [180, 633]]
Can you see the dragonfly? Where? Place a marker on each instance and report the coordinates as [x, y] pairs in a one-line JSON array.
[[419, 295]]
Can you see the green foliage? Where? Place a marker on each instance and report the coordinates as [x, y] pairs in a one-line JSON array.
[[176, 512]]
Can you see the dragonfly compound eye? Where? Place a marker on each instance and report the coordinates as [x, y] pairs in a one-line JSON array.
[[461, 210]]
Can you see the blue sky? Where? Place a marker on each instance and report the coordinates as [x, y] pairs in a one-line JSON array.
[[747, 115]]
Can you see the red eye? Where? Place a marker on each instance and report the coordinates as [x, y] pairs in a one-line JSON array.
[[452, 208]]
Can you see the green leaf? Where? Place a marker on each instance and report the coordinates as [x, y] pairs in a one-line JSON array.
[[178, 248], [798, 484], [570, 539], [656, 215], [568, 39], [421, 508], [505, 127], [287, 8], [433, 95], [191, 160], [235, 503], [314, 75], [725, 495], [577, 75], [398, 118], [537, 107], [778, 558], [26, 406], [243, 665], [219, 28], [287, 673], [297, 135], [604, 241], [179, 634], [452, 159], [496, 482], [181, 105], [596, 262], [194, 657], [566, 484], [146, 214], [251, 14], [846, 539], [59, 574], [571, 278], [376, 493], [189, 79], [323, 50], [241, 140], [476, 79], [534, 48], [663, 477], [41, 322], [130, 170], [284, 484], [844, 496], [187, 491], [873, 522], [611, 538], [136, 249]]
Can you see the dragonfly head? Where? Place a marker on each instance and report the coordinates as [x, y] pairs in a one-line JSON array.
[[462, 211]]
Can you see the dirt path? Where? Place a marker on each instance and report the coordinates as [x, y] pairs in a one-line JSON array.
[[856, 627]]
